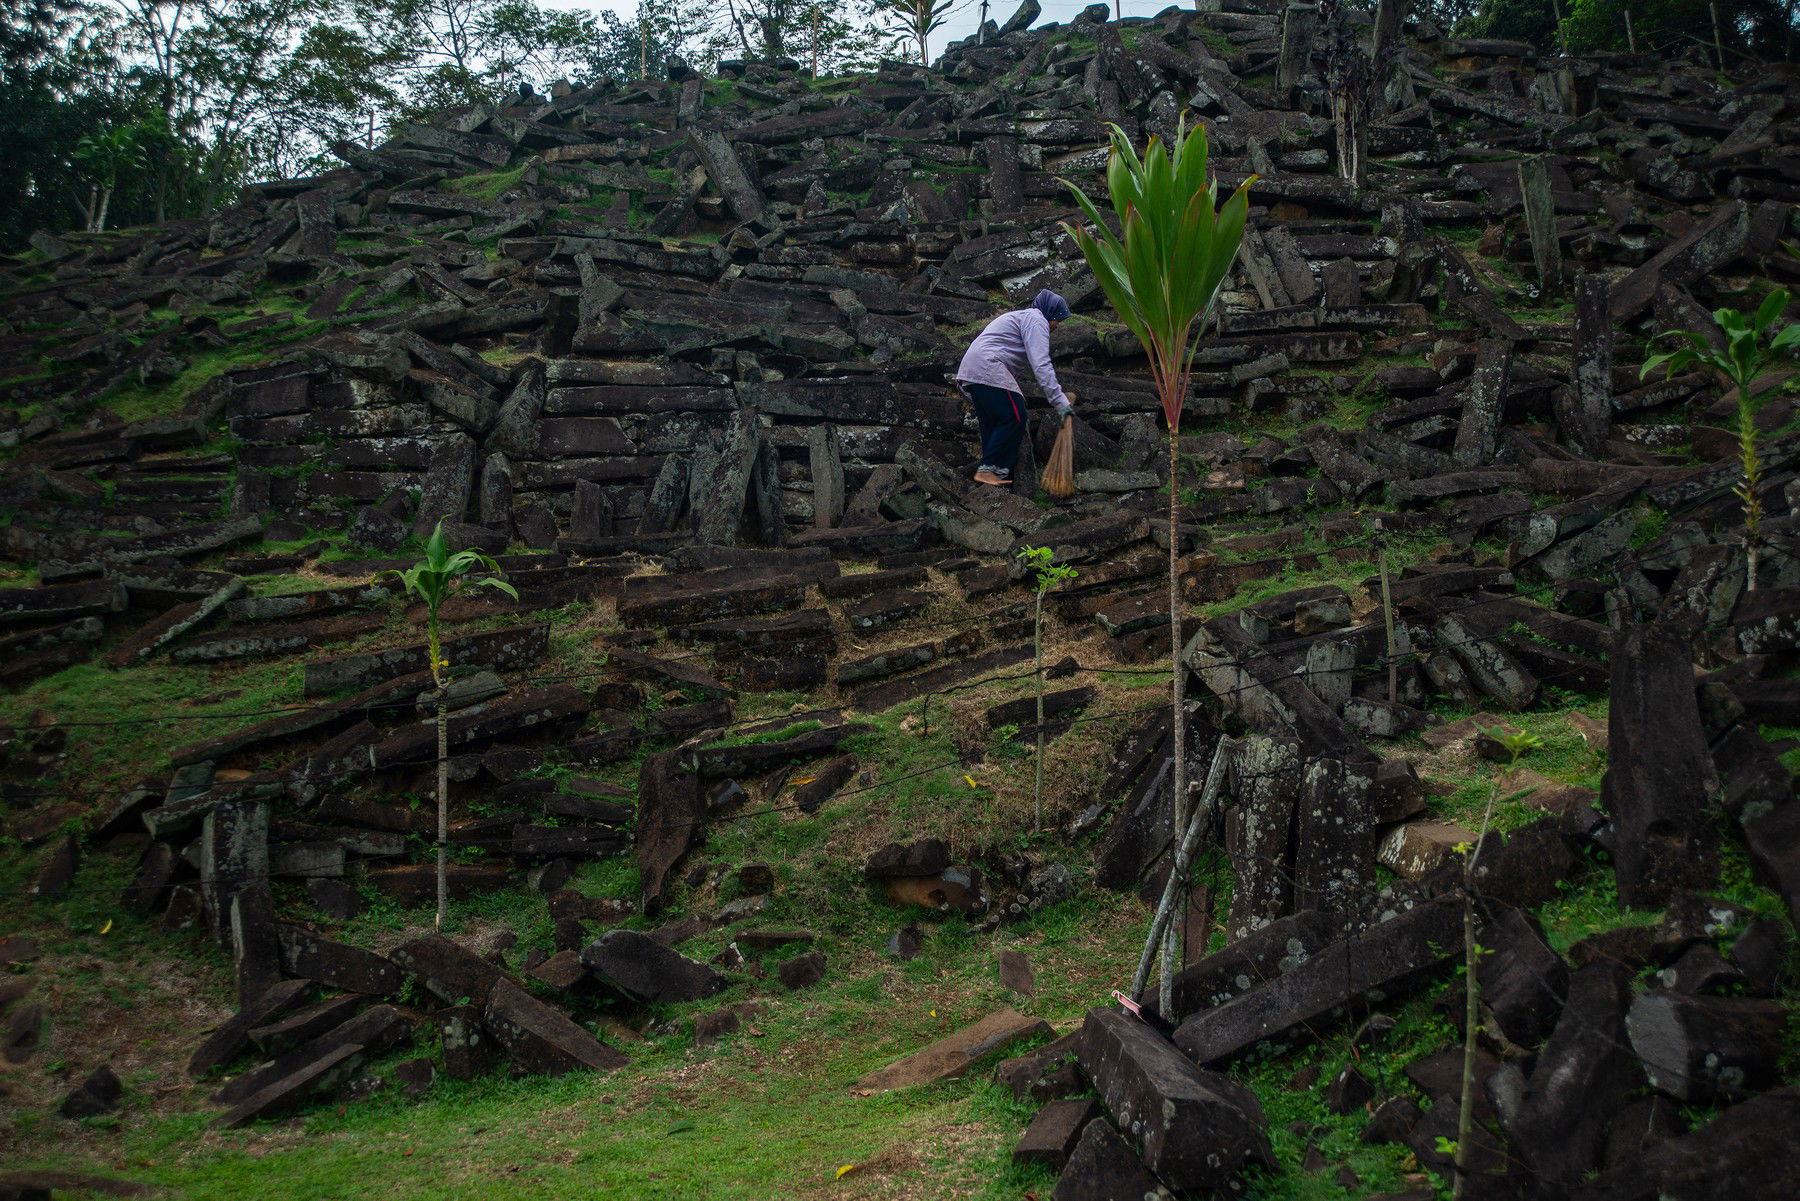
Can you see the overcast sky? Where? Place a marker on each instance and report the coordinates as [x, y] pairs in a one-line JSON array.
[[963, 19]]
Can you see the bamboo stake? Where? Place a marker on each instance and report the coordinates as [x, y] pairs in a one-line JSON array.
[[1184, 860]]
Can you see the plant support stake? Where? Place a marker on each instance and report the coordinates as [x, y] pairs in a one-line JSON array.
[[1184, 860], [1387, 614]]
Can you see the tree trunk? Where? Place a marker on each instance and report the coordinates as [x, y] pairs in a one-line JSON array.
[[1465, 1114], [1037, 659], [1465, 1117], [105, 207], [1751, 465], [1178, 775], [443, 774], [443, 800], [1387, 615]]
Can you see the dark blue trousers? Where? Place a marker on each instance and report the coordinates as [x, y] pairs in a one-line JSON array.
[[1001, 416]]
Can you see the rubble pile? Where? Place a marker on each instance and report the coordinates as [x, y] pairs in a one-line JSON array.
[[707, 325]]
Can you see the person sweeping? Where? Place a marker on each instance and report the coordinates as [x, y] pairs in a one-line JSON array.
[[989, 377]]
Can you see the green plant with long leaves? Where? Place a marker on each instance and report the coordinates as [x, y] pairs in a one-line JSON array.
[[1752, 347], [1048, 574], [1162, 272], [432, 581], [104, 156], [916, 20]]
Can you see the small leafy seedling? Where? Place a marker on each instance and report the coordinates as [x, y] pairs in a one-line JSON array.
[[433, 580], [1041, 561], [1744, 361]]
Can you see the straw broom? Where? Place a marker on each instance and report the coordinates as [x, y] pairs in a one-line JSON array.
[[1059, 473]]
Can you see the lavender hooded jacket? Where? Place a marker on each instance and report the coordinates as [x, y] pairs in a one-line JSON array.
[[1011, 344]]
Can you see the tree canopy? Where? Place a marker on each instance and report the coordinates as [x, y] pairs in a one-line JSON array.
[[116, 112]]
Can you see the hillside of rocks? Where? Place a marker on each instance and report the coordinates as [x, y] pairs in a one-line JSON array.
[[676, 353]]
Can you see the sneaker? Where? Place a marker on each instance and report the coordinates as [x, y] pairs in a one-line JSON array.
[[985, 476]]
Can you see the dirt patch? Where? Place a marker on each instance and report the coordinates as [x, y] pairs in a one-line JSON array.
[[141, 1014]]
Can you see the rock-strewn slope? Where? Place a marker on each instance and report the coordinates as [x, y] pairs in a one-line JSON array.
[[708, 323]]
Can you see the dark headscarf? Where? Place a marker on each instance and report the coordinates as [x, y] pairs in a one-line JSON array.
[[1052, 306]]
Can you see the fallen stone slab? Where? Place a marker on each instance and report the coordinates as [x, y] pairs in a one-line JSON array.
[[1707, 247], [901, 659], [540, 1039], [954, 1054], [666, 672], [1523, 981], [884, 611], [1660, 786], [24, 1033], [335, 964], [1244, 963], [1583, 1077], [1103, 1167], [232, 1036], [452, 973], [276, 639], [875, 698], [802, 971], [160, 632], [1414, 850], [188, 543], [1268, 695], [414, 884], [1198, 1129], [754, 758], [1053, 1133], [1024, 710], [538, 711], [1766, 621], [808, 628], [384, 696], [1707, 1050], [671, 819], [499, 651], [307, 1023], [61, 602], [1747, 1151], [307, 604], [1376, 965], [293, 1089], [925, 857], [715, 599], [567, 842], [98, 1093], [464, 1040], [374, 1030], [709, 1028], [647, 971], [811, 793]]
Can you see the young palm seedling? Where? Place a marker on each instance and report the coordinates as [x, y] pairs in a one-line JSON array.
[[432, 580], [1161, 273], [1039, 560], [1744, 361]]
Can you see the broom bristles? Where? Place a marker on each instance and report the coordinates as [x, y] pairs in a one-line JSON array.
[[1059, 472]]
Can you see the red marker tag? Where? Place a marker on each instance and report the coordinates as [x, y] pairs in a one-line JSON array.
[[1130, 1006]]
